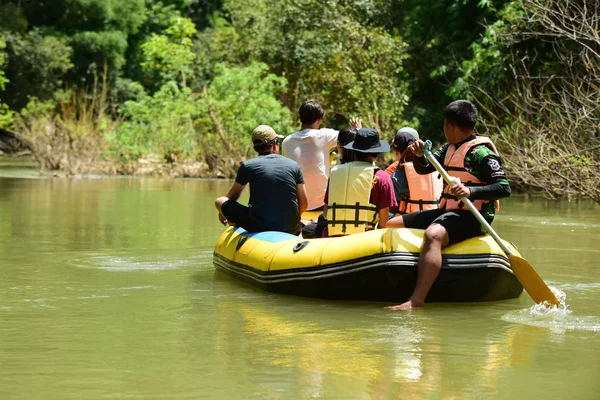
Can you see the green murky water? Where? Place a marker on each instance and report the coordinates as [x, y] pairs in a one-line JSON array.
[[107, 290]]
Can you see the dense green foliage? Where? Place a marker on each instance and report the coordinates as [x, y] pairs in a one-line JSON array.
[[327, 51], [534, 75], [187, 80], [178, 123], [5, 112], [439, 34]]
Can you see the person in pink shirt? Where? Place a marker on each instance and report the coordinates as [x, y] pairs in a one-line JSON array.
[[359, 186]]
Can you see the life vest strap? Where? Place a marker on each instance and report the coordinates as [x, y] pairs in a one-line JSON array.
[[356, 207], [406, 199], [350, 222]]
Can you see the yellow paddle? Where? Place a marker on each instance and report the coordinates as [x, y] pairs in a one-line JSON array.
[[531, 281]]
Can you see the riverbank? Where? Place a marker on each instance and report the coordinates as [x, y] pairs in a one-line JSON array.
[[224, 168], [151, 166]]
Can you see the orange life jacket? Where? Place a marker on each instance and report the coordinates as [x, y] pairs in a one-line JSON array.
[[454, 163], [424, 190]]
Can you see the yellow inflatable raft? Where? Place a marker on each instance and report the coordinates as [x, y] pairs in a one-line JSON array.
[[378, 265]]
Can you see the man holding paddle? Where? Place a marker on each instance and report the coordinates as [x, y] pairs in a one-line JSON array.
[[474, 164]]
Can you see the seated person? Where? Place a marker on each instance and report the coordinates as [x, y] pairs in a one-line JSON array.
[[475, 161], [359, 185], [346, 135], [277, 194], [414, 192]]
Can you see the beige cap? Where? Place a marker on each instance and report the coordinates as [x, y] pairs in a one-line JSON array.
[[264, 134]]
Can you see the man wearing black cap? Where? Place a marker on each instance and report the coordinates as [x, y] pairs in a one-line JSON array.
[[359, 195], [277, 194], [414, 192]]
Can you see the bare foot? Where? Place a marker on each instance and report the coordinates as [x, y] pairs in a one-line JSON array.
[[406, 305]]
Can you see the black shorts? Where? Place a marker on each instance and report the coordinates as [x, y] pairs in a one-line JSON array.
[[241, 215], [245, 217], [460, 224], [314, 229]]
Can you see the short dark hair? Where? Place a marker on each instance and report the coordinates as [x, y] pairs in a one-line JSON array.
[[262, 148], [345, 136], [365, 156], [461, 113], [310, 111]]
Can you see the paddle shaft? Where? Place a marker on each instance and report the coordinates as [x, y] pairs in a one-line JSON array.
[[465, 200]]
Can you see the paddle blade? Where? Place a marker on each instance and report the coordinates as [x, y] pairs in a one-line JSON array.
[[531, 281]]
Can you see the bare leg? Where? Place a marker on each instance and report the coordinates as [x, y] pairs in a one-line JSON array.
[[430, 263], [396, 222], [218, 203]]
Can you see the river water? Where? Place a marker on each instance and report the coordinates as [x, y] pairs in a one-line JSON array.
[[107, 290]]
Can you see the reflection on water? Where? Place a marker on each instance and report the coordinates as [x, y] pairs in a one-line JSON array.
[[107, 290], [408, 356]]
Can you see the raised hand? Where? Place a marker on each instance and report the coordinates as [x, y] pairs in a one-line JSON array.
[[356, 122], [222, 219], [417, 148]]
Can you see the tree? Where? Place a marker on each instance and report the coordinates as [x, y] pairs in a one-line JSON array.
[[171, 54], [439, 34], [176, 123], [37, 58], [160, 124], [97, 30], [534, 77], [241, 98], [55, 43], [5, 112], [37, 64], [325, 49]]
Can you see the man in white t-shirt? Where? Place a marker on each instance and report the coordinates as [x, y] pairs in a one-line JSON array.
[[310, 148]]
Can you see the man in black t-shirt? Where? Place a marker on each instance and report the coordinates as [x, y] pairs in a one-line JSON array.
[[277, 193]]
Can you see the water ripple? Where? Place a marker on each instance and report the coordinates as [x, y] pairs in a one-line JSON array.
[[559, 321], [142, 263], [557, 318]]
